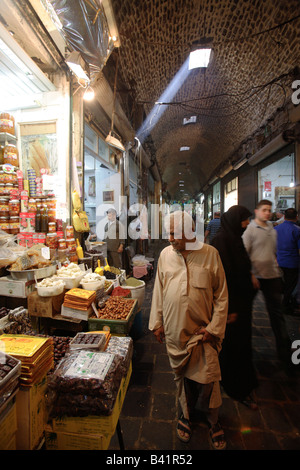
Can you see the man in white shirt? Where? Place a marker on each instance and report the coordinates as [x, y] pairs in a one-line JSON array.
[[260, 240]]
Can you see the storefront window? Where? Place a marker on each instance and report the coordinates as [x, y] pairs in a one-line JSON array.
[[276, 183], [216, 197], [208, 208], [231, 194], [102, 181]]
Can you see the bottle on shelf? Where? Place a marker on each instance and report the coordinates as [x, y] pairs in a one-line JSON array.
[[79, 249], [44, 219], [38, 218]]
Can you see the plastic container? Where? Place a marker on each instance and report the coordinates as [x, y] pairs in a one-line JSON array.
[[72, 282], [137, 292], [50, 291], [94, 285]]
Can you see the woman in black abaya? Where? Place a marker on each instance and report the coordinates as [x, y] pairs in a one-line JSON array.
[[238, 373]]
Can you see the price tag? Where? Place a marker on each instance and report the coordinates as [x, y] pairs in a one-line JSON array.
[[46, 252], [95, 310]]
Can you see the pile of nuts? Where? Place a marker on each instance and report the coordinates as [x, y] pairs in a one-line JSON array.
[[116, 308]]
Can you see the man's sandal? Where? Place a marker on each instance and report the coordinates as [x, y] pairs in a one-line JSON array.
[[217, 437], [184, 426], [250, 403]]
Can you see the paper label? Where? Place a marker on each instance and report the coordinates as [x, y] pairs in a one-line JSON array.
[[45, 252], [89, 364]]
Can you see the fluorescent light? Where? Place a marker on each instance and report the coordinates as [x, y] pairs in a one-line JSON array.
[[199, 58], [114, 142], [182, 149], [76, 63]]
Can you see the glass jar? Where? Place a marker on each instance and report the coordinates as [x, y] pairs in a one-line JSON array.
[[4, 209], [1, 154], [2, 177], [51, 215], [69, 231], [32, 205], [62, 245], [52, 241], [8, 178], [7, 123], [14, 225], [2, 189], [4, 224], [51, 203], [51, 227], [14, 207], [71, 244], [9, 188], [11, 155]]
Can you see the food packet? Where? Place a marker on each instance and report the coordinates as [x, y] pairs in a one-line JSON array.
[[84, 383], [121, 346]]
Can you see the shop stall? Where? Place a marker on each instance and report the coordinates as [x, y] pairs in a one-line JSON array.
[[45, 373]]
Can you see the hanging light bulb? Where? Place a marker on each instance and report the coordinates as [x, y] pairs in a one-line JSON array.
[[89, 94]]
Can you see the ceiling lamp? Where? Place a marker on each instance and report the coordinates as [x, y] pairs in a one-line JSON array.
[[182, 149], [76, 63], [89, 94], [240, 162], [110, 139], [190, 120], [199, 58]]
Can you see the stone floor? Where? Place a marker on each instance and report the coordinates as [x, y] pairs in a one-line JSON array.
[[149, 414]]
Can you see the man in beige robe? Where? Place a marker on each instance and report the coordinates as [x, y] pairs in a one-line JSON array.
[[189, 310]]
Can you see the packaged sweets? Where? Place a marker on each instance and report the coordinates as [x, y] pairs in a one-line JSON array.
[[84, 383], [121, 346]]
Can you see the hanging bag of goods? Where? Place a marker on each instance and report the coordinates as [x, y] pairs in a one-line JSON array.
[[79, 217]]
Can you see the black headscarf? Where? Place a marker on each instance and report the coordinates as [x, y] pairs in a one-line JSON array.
[[232, 219], [229, 243]]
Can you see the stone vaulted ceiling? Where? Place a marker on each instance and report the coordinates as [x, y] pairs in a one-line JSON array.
[[255, 48]]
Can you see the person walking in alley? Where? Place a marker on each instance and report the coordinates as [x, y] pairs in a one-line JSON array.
[[288, 245], [212, 228], [189, 310], [237, 370], [114, 237], [260, 240]]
